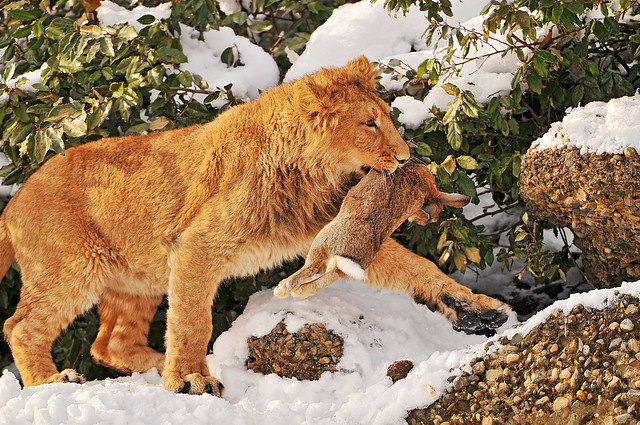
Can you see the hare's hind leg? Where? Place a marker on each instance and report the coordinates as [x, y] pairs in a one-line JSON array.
[[309, 288], [288, 285]]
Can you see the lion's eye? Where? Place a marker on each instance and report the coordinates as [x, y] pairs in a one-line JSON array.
[[371, 123]]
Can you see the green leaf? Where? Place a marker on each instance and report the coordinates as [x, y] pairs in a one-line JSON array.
[[146, 19], [517, 165], [600, 31], [467, 162], [106, 47], [40, 146], [611, 25], [227, 56], [260, 26], [25, 15], [540, 66], [171, 55], [534, 83], [450, 89], [466, 186], [423, 149], [22, 32], [55, 137], [454, 135]]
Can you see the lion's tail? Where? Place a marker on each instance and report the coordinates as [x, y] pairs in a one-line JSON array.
[[7, 255]]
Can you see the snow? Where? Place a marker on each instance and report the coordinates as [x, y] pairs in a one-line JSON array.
[[258, 70], [24, 82], [366, 28], [597, 127], [110, 14], [378, 328]]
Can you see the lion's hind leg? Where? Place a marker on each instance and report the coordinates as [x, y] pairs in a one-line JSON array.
[[121, 342], [44, 310]]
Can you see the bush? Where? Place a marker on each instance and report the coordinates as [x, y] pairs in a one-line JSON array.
[[586, 52]]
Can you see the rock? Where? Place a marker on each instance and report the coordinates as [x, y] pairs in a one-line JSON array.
[[626, 325], [492, 375], [542, 401], [478, 368], [580, 383], [598, 197], [623, 419], [399, 370], [512, 358], [305, 354], [560, 403], [631, 310]]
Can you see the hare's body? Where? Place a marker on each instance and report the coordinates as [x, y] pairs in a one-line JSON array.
[[370, 212]]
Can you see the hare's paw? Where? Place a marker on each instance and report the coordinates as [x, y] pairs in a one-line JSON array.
[[284, 288], [193, 383], [66, 376]]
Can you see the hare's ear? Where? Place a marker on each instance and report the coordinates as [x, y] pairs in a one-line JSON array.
[[453, 199]]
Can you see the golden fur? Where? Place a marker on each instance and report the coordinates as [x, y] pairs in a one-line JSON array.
[[370, 212], [119, 222]]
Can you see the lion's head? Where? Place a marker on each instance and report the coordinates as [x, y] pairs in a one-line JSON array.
[[350, 122]]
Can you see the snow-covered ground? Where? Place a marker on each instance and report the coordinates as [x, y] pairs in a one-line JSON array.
[[378, 327]]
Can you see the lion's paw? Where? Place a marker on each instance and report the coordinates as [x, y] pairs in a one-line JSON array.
[[67, 376], [193, 383], [482, 316]]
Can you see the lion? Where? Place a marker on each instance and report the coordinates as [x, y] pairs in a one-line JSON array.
[[120, 222]]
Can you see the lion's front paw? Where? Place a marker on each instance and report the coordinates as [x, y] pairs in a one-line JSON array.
[[67, 376], [193, 383], [482, 315]]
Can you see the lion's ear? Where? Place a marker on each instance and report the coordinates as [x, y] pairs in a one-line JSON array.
[[318, 103], [364, 68]]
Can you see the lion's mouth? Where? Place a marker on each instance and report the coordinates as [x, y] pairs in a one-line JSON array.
[[365, 169]]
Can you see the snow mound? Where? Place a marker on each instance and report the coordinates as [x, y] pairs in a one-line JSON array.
[[597, 127], [378, 328]]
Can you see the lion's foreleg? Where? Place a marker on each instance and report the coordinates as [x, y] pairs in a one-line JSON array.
[[397, 269], [194, 280]]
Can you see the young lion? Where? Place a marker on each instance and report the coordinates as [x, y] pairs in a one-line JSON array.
[[370, 212], [120, 222]]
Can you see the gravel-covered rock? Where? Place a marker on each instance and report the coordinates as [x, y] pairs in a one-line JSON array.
[[598, 197], [305, 354], [575, 369]]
